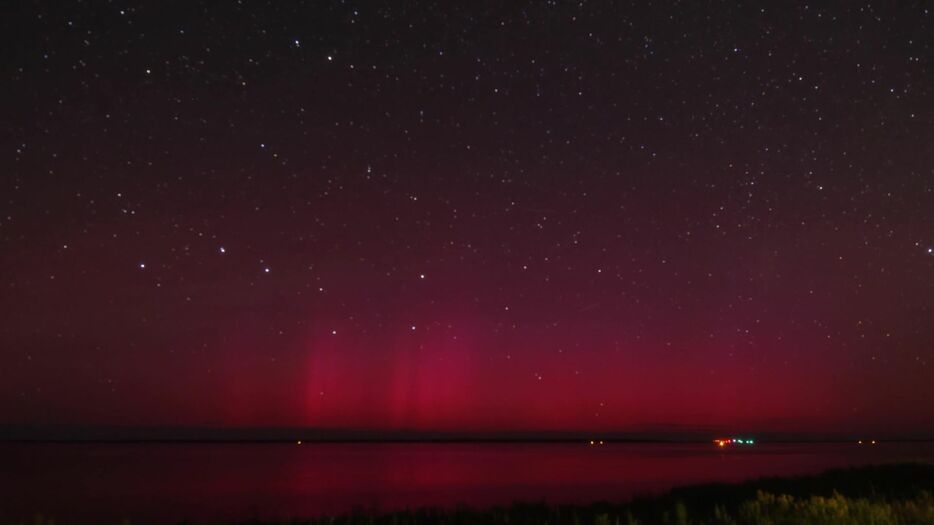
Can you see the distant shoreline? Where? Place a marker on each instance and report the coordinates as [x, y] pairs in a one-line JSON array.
[[671, 433], [438, 441]]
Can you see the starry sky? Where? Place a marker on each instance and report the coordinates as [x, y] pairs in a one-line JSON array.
[[481, 217]]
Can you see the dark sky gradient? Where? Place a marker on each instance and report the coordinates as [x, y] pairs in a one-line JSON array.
[[415, 216]]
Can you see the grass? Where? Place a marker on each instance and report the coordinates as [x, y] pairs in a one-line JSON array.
[[877, 495]]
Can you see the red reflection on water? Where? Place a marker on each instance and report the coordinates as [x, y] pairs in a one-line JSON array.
[[167, 483]]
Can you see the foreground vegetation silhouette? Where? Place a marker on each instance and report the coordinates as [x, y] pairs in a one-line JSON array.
[[877, 495]]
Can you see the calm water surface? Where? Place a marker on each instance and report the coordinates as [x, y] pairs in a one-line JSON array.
[[166, 483]]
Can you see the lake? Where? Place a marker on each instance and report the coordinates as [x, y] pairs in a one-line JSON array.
[[166, 483]]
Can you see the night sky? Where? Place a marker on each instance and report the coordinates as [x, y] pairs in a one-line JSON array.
[[482, 217]]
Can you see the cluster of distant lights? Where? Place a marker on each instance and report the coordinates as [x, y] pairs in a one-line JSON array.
[[719, 442], [734, 441]]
